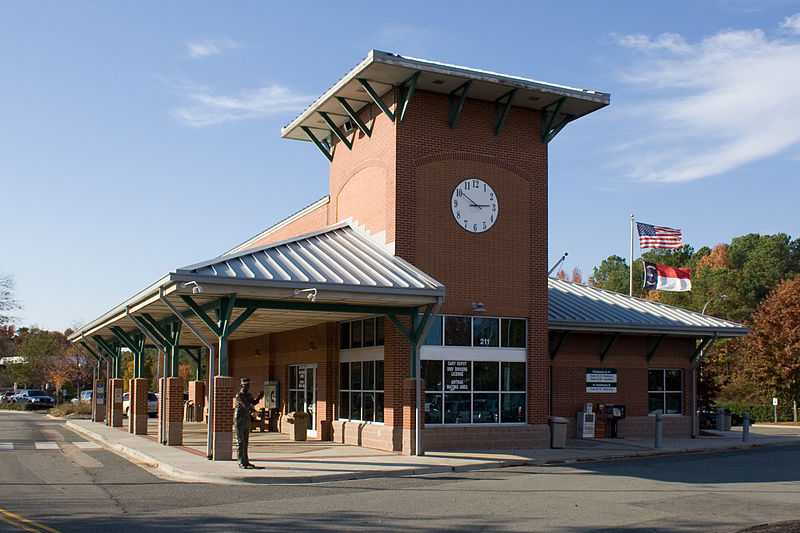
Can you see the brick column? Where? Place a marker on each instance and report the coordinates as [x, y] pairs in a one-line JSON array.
[[197, 394], [410, 415], [115, 392], [137, 412], [224, 392], [173, 417], [98, 409]]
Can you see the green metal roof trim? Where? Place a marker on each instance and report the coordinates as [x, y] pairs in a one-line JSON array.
[[577, 307]]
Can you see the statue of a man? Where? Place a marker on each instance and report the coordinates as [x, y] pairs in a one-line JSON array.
[[245, 405]]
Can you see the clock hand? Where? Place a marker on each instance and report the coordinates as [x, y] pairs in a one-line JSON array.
[[473, 202]]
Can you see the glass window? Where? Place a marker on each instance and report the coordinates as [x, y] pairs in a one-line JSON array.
[[485, 375], [378, 407], [485, 408], [457, 331], [344, 335], [344, 376], [369, 406], [355, 406], [457, 409], [432, 374], [485, 332], [369, 332], [665, 391], [344, 404], [378, 375], [369, 375], [433, 408], [513, 333], [356, 328], [513, 408], [457, 375], [434, 337], [355, 375], [513, 376], [379, 334]]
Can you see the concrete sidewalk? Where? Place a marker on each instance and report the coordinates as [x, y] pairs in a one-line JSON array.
[[283, 461]]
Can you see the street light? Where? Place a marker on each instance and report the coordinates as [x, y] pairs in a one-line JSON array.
[[721, 296]]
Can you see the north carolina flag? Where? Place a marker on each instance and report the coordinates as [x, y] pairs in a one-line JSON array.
[[666, 278]]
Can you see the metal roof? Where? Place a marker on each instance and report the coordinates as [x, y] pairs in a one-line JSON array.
[[385, 70], [349, 275], [577, 307]]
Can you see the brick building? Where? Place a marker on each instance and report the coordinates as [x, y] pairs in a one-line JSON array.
[[438, 186]]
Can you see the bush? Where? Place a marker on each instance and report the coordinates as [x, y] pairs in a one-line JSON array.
[[71, 409], [759, 412]]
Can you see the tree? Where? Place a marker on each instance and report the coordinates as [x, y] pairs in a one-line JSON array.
[[7, 302], [612, 275], [772, 350], [577, 275]]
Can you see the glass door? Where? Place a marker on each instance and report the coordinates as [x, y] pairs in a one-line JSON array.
[[303, 393]]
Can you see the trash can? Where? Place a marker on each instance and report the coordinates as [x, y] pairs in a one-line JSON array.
[[727, 420], [558, 432], [298, 421]]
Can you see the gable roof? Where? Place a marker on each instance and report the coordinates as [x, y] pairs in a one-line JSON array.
[[577, 307]]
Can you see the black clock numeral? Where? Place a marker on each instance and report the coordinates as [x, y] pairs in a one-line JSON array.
[[484, 225], [459, 193], [467, 185], [491, 196], [494, 208], [455, 203], [476, 183], [474, 227], [465, 223], [458, 214]]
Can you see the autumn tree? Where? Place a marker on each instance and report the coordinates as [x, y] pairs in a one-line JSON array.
[[8, 303], [577, 275], [772, 350]]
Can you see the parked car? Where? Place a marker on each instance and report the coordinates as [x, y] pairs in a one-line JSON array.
[[6, 396], [33, 396], [152, 403], [85, 397]]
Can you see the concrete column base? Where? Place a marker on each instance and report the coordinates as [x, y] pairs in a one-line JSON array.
[[137, 412], [115, 392], [98, 409], [173, 415], [224, 393]]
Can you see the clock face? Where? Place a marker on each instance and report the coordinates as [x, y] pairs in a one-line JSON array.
[[474, 205]]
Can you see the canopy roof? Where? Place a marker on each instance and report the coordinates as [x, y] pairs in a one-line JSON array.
[[331, 275], [576, 307], [383, 70]]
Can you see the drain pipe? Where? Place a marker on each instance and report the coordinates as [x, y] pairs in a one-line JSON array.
[[210, 436], [418, 367], [161, 399]]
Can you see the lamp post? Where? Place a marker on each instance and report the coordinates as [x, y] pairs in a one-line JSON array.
[[694, 370], [720, 296]]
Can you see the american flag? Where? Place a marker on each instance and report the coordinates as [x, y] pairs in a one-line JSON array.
[[658, 236]]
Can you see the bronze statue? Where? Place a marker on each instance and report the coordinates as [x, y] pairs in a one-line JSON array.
[[245, 405]]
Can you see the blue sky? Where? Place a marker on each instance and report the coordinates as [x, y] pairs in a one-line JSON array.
[[136, 138]]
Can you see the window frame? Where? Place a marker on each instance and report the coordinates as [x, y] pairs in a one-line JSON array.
[[664, 392]]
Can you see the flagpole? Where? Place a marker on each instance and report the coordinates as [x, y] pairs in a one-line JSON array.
[[630, 274]]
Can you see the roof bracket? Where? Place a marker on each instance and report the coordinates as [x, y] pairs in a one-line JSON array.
[[500, 115], [555, 349], [607, 349], [551, 127], [705, 344], [412, 81], [322, 145], [375, 98], [455, 108], [355, 118], [651, 353], [335, 130], [135, 344]]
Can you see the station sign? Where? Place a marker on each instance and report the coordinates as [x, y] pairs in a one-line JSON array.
[[601, 380]]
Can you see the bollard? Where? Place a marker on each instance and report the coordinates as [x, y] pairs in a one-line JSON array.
[[720, 419], [659, 429], [745, 426]]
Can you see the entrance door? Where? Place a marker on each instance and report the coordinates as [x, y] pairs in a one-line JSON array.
[[303, 393]]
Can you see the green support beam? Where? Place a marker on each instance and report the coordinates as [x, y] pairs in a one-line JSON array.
[[557, 348], [455, 107], [501, 107], [413, 335], [651, 353], [97, 357], [113, 353], [135, 343], [376, 98], [354, 117], [412, 82], [550, 123], [607, 349], [335, 130], [323, 146], [704, 345]]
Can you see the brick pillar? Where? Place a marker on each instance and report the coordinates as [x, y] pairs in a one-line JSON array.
[[98, 409], [197, 394], [224, 392], [173, 416], [410, 415], [137, 413], [115, 392]]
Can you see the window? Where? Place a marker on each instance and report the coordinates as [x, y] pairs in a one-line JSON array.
[[361, 333], [361, 390], [474, 392], [478, 332], [665, 391]]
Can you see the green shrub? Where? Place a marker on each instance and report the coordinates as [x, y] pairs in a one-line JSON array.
[[759, 412], [67, 409]]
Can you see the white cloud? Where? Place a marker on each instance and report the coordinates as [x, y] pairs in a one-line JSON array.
[[711, 107], [792, 24], [206, 108], [211, 47]]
